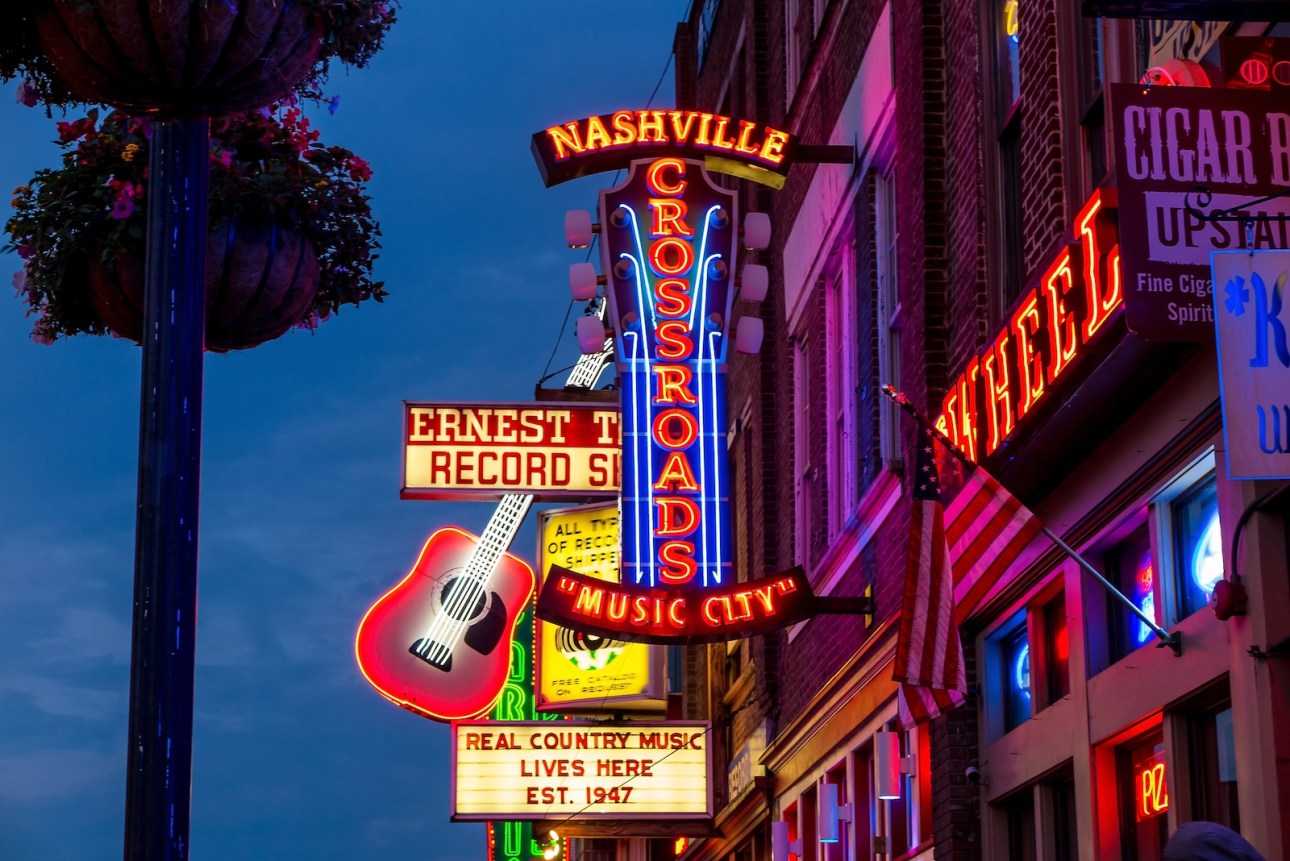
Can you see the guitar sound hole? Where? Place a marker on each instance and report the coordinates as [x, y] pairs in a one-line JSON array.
[[463, 599]]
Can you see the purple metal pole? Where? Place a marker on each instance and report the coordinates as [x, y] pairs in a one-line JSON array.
[[159, 762]]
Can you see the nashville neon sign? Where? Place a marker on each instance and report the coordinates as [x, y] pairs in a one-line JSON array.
[[611, 141], [1052, 326]]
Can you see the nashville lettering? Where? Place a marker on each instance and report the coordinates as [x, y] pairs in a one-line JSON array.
[[694, 128]]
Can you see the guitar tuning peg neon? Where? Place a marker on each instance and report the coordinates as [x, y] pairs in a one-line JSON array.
[[754, 281], [756, 232], [578, 228], [591, 335], [583, 281], [749, 332]]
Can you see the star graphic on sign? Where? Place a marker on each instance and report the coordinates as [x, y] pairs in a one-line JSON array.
[[1237, 295]]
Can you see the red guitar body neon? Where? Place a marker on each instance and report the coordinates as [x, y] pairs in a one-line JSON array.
[[439, 643]]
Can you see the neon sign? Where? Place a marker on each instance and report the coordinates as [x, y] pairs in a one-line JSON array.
[[669, 242], [675, 615], [611, 141], [1207, 557], [1051, 327], [483, 451], [1151, 786], [1144, 596]]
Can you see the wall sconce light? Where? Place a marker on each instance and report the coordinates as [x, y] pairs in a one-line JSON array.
[[780, 846], [886, 764], [831, 814]]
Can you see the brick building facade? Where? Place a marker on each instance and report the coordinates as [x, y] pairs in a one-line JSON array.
[[981, 135]]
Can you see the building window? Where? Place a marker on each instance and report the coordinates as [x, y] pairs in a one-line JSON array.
[[1014, 656], [1002, 33], [1020, 811], [1198, 545], [1212, 753], [840, 369], [811, 442], [1144, 797], [1129, 566], [1092, 104], [1065, 831], [1056, 650], [802, 20], [890, 318]]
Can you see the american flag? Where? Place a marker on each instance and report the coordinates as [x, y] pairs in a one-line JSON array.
[[955, 558]]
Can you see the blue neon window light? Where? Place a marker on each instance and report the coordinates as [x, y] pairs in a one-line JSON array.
[[1021, 671], [1207, 556]]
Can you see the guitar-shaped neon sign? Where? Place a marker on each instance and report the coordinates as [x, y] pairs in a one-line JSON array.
[[439, 643]]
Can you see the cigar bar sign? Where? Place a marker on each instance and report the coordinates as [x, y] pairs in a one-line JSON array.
[[1173, 142], [476, 451], [581, 771]]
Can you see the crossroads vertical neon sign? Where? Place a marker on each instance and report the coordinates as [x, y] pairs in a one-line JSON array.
[[668, 236]]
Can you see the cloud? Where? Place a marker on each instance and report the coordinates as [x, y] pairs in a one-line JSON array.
[[43, 775], [65, 699]]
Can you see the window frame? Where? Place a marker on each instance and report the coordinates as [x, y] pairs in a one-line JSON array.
[[890, 310]]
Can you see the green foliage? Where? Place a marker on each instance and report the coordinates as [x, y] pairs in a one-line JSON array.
[[266, 166]]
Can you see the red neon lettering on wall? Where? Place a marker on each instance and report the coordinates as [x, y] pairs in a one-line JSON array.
[[1101, 267], [673, 299], [658, 184], [678, 562], [668, 435], [671, 255], [1063, 337], [669, 218], [673, 383], [967, 410], [1025, 326], [998, 395], [669, 507], [676, 474], [674, 341]]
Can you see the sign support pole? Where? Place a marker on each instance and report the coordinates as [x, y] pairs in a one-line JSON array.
[[159, 762]]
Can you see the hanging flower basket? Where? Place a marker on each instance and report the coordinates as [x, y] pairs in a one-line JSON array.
[[185, 57], [188, 56], [291, 236], [260, 281]]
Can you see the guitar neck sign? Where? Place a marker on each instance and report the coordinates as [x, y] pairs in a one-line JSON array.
[[474, 451]]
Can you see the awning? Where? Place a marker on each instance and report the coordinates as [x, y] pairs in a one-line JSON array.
[[1190, 10]]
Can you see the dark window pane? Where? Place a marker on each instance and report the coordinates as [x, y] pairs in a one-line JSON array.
[[1015, 652], [1199, 546], [1021, 828], [1058, 649], [1144, 798], [1065, 832], [1130, 567]]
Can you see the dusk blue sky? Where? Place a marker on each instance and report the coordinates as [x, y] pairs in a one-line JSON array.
[[301, 524]]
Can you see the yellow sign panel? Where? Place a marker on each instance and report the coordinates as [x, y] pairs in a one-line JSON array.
[[581, 771], [577, 671]]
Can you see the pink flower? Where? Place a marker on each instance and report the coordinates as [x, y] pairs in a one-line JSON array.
[[40, 333], [27, 94], [122, 208], [20, 282], [359, 169]]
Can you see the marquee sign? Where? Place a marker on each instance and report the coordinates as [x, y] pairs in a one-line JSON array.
[[1174, 142], [676, 615], [579, 669], [1050, 330], [581, 771], [610, 141], [480, 451], [1251, 319]]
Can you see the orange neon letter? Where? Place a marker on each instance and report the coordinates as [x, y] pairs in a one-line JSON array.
[[1101, 268], [564, 142], [998, 398], [676, 474], [674, 340], [658, 184], [678, 561], [666, 433], [669, 217], [673, 295], [682, 255], [673, 385], [668, 509], [1062, 334], [1025, 326]]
